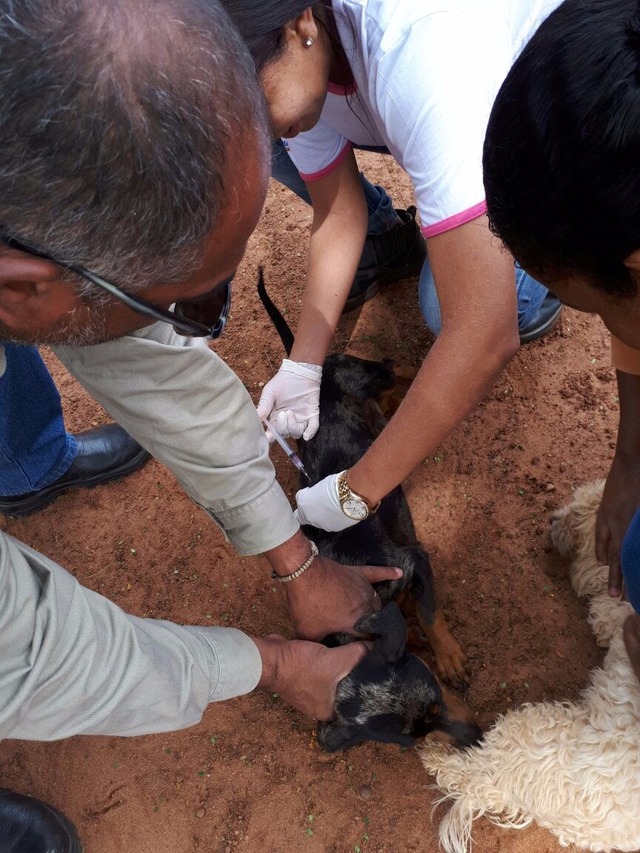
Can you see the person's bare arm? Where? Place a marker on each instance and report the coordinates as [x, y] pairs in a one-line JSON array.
[[476, 289], [291, 398], [337, 238]]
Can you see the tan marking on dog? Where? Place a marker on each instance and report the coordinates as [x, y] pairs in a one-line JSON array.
[[451, 662]]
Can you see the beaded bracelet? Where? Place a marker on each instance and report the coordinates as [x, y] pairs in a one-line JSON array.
[[303, 568]]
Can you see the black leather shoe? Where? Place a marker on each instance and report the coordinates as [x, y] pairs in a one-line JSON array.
[[104, 454], [28, 825], [397, 254]]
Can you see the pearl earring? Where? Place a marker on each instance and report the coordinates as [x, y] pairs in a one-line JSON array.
[[308, 41]]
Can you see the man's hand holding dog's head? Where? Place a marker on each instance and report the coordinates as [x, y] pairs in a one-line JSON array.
[[328, 598], [331, 598], [305, 675]]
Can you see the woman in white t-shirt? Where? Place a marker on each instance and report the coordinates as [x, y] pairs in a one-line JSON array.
[[418, 78]]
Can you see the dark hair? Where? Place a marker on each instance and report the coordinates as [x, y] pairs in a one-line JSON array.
[[562, 150], [261, 25], [117, 124]]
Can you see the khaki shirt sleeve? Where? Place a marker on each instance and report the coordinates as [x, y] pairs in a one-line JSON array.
[[191, 412], [72, 662], [624, 358]]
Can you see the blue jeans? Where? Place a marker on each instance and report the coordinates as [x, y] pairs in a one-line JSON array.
[[35, 448], [382, 217], [530, 295], [630, 562]]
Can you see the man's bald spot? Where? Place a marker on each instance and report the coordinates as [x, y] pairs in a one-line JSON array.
[[118, 122]]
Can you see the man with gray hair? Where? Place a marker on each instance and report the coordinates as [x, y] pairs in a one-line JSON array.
[[134, 148]]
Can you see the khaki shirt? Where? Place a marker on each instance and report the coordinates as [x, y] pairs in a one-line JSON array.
[[181, 402]]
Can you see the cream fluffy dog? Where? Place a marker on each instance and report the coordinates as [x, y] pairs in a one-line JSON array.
[[573, 767]]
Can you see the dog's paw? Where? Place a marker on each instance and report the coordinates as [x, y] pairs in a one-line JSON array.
[[452, 665]]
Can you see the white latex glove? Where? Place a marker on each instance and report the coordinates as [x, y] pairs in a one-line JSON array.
[[319, 505], [292, 400]]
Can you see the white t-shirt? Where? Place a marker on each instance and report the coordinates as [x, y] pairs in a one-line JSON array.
[[426, 73]]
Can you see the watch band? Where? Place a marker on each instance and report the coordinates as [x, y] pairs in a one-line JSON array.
[[345, 492]]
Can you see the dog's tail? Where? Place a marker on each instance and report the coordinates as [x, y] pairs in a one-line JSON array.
[[286, 335]]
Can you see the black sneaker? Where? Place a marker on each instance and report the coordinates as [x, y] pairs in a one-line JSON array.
[[28, 825], [544, 321], [387, 258], [104, 454]]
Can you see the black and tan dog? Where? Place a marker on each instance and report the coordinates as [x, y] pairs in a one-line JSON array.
[[392, 695]]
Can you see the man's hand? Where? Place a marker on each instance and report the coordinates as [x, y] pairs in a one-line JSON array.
[[620, 500], [305, 675], [328, 597]]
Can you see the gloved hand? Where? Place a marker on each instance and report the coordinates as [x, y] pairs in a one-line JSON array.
[[319, 505], [292, 400]]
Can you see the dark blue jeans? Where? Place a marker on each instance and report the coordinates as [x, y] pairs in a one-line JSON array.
[[35, 448], [630, 560]]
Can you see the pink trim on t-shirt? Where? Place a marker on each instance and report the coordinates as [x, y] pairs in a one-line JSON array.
[[335, 89], [316, 176], [455, 220]]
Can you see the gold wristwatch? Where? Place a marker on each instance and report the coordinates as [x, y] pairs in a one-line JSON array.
[[353, 505]]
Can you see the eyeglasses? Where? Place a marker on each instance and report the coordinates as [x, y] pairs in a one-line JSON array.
[[202, 317]]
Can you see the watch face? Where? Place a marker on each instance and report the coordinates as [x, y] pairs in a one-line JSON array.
[[353, 508]]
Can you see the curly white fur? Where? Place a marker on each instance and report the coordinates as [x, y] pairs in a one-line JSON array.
[[573, 767]]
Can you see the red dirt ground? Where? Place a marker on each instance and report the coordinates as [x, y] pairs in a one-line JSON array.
[[249, 777]]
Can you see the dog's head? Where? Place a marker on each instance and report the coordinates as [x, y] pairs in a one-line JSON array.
[[349, 376], [391, 696]]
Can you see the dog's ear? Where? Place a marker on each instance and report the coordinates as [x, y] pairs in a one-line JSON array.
[[359, 378], [389, 629]]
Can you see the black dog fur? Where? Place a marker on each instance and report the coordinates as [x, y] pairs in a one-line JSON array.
[[391, 696]]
